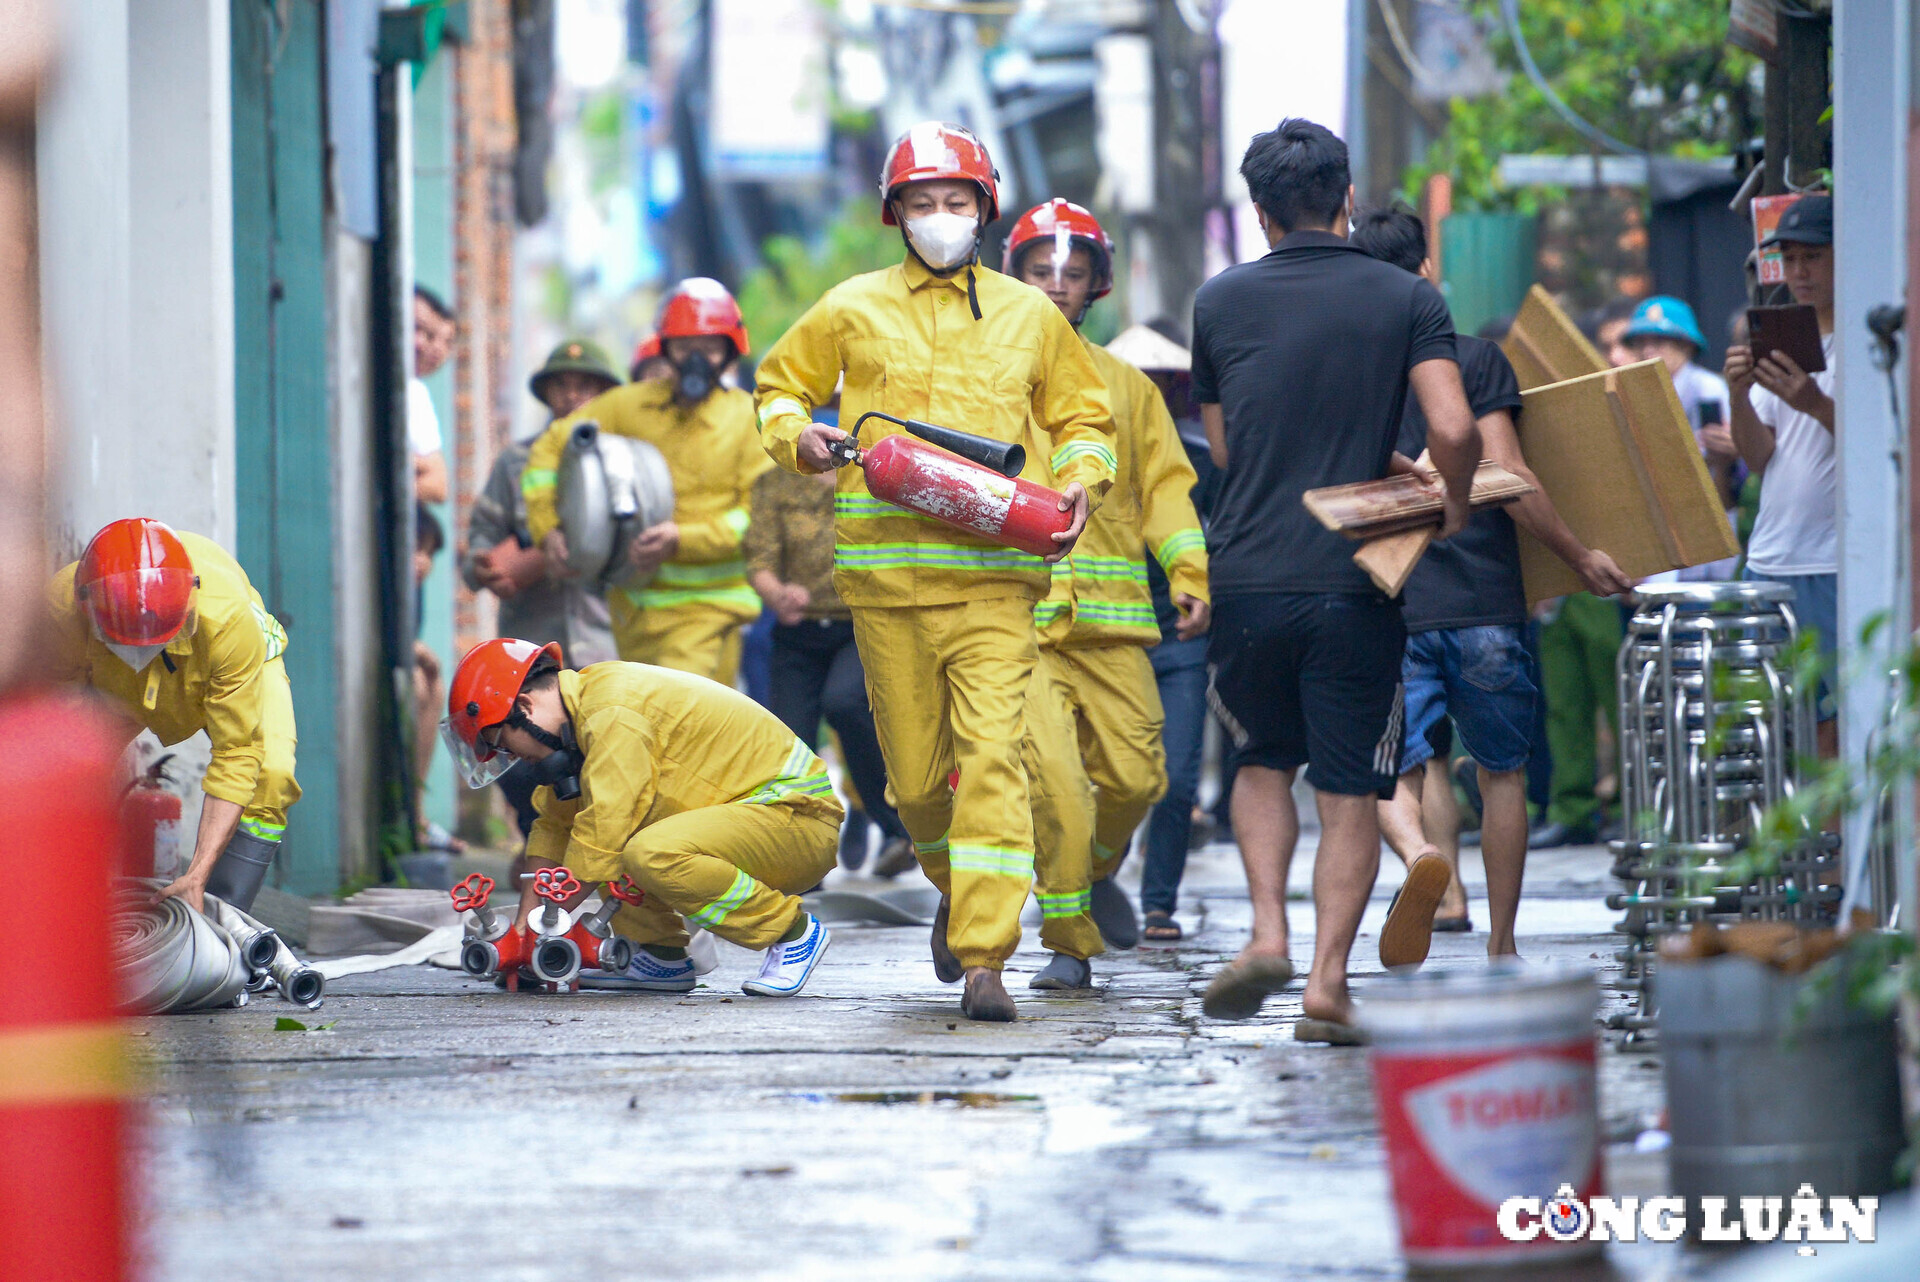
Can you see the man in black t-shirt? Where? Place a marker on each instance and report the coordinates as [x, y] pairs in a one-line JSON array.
[[1465, 607], [1302, 361]]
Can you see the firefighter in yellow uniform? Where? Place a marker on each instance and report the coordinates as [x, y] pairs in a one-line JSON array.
[[168, 628], [943, 618], [1097, 622], [689, 617], [701, 796]]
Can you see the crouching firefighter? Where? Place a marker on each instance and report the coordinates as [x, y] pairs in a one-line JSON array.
[[697, 793], [168, 628]]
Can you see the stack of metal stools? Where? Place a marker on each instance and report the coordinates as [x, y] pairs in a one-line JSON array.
[[1711, 734]]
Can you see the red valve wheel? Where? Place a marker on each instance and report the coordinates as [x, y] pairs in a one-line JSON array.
[[625, 891], [555, 884], [473, 892]]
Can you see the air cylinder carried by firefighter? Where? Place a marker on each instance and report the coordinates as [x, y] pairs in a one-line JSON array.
[[971, 484], [608, 489]]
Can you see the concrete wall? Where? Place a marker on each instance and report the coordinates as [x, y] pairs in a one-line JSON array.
[[136, 268]]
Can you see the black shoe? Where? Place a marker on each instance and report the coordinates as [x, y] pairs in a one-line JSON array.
[[1113, 913], [853, 840], [1549, 835]]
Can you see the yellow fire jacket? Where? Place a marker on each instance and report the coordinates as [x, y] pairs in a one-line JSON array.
[[208, 678], [713, 452], [1100, 594], [659, 742], [909, 346]]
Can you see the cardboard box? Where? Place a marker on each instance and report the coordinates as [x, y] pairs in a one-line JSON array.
[[1545, 345], [1615, 453]]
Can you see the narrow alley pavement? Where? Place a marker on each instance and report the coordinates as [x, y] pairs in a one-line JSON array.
[[438, 1128]]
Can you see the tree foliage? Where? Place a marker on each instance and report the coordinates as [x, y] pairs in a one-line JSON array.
[[793, 275], [1657, 74]]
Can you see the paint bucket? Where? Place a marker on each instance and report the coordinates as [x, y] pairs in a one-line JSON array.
[[1484, 1084]]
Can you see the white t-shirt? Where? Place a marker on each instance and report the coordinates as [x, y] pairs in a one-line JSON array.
[[423, 422], [1696, 386], [1795, 531]]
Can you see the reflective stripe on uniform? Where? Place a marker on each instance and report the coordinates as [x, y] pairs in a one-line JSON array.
[[665, 599], [536, 479], [263, 830], [997, 861], [676, 575], [944, 556], [1084, 449], [737, 520], [276, 636], [794, 779], [1178, 544], [716, 912], [1066, 905], [781, 405], [1045, 612], [931, 847], [1106, 567], [865, 507], [1132, 614]]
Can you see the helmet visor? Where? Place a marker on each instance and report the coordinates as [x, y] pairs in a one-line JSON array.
[[140, 607], [476, 770]]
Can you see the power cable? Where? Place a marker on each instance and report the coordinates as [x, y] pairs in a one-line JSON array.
[[1510, 11]]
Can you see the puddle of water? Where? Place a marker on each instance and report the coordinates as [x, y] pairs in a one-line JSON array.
[[1082, 1128], [956, 1099]]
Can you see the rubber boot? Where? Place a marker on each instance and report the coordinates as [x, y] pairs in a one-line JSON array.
[[242, 869]]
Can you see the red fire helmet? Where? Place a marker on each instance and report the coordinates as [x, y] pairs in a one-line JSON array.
[[932, 150], [701, 305], [485, 685], [647, 349], [136, 582], [1065, 224]]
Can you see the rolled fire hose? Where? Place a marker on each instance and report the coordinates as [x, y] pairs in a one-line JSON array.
[[172, 958], [607, 489]]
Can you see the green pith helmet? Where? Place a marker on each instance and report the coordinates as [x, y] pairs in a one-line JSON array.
[[575, 356]]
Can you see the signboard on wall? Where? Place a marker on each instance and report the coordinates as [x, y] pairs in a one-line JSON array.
[[769, 90], [1766, 216]]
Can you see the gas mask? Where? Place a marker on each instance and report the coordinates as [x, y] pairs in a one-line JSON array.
[[694, 379], [559, 769], [943, 241]]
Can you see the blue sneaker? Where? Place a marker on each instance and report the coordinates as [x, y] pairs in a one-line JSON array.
[[785, 970], [646, 974]]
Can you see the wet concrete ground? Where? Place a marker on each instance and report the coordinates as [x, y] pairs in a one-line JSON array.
[[441, 1129]]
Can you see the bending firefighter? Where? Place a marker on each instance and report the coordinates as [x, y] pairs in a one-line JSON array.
[[167, 627], [689, 617], [701, 796], [1097, 623], [943, 619]]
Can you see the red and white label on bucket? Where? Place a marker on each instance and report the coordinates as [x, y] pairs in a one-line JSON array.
[[1466, 1132]]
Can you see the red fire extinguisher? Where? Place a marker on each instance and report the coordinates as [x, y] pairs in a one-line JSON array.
[[150, 823], [975, 487]]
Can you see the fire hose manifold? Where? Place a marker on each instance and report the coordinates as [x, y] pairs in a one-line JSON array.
[[556, 945], [174, 959]]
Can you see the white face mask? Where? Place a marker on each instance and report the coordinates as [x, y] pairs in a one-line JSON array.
[[943, 240], [136, 657]]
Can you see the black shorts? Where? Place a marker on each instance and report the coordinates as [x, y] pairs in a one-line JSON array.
[[1312, 678]]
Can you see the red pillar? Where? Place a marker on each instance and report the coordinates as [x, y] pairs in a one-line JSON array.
[[63, 1124]]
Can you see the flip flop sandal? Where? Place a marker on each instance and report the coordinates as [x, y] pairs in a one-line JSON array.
[[1241, 986], [1161, 928], [1329, 1032], [1408, 932], [1461, 925]]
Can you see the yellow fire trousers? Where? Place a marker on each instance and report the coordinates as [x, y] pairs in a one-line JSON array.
[[1117, 713], [948, 685], [274, 790], [1063, 815], [736, 869], [696, 638]]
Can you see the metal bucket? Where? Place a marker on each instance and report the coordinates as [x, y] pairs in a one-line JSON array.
[[1484, 1084], [607, 489], [1762, 1099]]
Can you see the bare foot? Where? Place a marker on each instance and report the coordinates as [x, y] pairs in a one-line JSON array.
[[1329, 1001], [1498, 951]]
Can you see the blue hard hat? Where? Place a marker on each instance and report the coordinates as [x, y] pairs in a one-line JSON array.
[[1664, 316]]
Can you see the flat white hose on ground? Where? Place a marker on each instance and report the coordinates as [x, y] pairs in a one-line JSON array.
[[172, 958]]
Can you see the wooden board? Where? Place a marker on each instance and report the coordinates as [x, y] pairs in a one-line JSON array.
[[1389, 559], [1404, 502], [1615, 453], [1545, 345]]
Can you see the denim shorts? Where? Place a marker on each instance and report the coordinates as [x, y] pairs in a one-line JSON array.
[[1477, 676], [1816, 606]]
